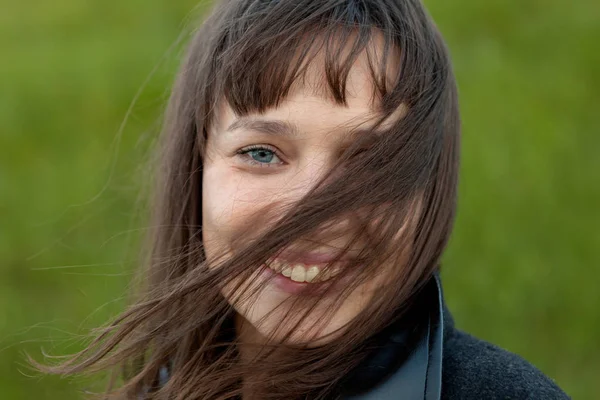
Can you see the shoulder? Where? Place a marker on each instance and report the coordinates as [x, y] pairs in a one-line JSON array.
[[475, 369]]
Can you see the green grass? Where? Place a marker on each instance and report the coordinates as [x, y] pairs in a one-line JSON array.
[[522, 266]]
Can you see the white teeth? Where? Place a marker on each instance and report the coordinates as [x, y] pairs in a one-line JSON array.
[[276, 265], [298, 273], [286, 271], [311, 273], [302, 273]]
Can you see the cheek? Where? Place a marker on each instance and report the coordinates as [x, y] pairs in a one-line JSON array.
[[229, 198]]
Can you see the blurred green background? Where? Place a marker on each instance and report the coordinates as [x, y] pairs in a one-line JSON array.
[[522, 269]]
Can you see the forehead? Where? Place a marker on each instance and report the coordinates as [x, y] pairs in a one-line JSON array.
[[311, 99], [366, 70]]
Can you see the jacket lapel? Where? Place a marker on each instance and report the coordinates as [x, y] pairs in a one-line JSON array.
[[420, 376]]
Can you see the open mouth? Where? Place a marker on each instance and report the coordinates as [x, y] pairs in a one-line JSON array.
[[304, 273]]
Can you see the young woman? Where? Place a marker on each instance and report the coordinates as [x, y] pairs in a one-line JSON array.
[[307, 190]]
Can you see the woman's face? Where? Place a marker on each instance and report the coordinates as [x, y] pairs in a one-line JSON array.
[[255, 162]]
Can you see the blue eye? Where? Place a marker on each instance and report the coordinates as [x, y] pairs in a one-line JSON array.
[[260, 155]]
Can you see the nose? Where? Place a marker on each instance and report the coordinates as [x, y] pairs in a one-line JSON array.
[[307, 175], [309, 171]]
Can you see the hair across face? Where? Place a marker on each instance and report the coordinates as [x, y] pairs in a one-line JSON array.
[[294, 127], [270, 160]]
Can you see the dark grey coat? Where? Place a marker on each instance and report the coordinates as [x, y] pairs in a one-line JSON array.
[[446, 363]]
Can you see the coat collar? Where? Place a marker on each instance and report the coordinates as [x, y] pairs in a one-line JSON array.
[[420, 374]]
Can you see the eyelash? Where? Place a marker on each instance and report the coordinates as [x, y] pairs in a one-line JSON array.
[[244, 154]]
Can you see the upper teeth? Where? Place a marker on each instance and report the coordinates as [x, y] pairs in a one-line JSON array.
[[301, 273]]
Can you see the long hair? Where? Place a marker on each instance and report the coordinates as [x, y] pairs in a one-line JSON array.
[[400, 195]]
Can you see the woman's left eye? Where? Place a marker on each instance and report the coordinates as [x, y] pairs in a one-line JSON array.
[[262, 156]]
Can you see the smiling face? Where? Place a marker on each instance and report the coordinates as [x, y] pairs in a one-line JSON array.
[[258, 161]]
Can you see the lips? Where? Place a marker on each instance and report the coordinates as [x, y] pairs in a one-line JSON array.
[[308, 258]]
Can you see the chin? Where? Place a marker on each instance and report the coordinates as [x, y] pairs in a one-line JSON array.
[[263, 321]]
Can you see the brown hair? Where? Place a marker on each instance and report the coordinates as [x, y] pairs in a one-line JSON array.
[[250, 53]]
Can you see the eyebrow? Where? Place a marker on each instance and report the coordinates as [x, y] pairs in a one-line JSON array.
[[269, 127], [282, 128]]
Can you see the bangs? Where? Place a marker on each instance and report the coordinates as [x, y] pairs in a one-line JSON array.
[[262, 62]]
